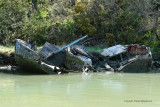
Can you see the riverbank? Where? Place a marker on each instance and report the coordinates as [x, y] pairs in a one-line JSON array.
[[7, 58], [7, 62]]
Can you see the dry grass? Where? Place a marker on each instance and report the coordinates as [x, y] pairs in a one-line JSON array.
[[8, 49]]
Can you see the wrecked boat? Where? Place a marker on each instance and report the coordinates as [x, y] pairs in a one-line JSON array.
[[119, 58], [50, 59], [81, 59], [33, 61], [128, 58]]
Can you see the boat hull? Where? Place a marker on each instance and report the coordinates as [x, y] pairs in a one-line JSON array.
[[73, 63], [138, 66], [30, 60], [29, 65]]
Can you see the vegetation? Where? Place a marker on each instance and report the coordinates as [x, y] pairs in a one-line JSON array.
[[62, 21], [7, 49]]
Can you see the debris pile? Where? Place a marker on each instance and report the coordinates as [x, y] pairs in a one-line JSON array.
[[157, 64]]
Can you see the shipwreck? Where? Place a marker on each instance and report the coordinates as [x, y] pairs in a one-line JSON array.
[[74, 58], [128, 58], [50, 59], [118, 58]]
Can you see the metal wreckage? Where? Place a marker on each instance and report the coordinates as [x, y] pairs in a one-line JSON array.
[[72, 58]]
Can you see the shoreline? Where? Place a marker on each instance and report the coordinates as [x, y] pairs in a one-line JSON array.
[[8, 63]]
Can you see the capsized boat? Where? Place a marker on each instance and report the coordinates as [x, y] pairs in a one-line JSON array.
[[50, 59], [128, 58]]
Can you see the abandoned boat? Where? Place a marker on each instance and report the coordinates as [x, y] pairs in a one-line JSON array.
[[128, 58], [78, 57], [50, 59], [34, 61], [121, 58]]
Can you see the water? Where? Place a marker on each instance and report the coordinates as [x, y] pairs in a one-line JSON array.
[[76, 90]]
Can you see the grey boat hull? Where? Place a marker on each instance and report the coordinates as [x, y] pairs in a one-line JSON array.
[[137, 66], [30, 60]]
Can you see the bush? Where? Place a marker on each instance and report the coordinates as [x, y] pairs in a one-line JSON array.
[[82, 21]]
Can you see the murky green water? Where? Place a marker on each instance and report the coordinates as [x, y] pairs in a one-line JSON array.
[[76, 90]]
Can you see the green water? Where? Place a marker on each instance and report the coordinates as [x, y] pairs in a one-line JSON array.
[[77, 90]]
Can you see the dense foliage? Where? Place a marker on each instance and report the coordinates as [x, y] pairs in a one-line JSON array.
[[62, 21]]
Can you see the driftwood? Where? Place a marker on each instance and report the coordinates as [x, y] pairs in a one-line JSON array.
[[8, 68]]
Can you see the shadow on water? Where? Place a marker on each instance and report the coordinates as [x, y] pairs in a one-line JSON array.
[[21, 72], [25, 72]]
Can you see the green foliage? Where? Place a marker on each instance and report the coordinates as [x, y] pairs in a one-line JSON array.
[[81, 19], [62, 21], [66, 31], [36, 28], [42, 14], [148, 41], [80, 7], [129, 36], [155, 46], [110, 39], [13, 13]]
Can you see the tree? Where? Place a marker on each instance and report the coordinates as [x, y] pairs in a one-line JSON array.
[[13, 14], [81, 19]]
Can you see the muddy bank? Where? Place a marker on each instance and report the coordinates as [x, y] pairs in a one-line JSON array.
[[7, 59], [7, 63]]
